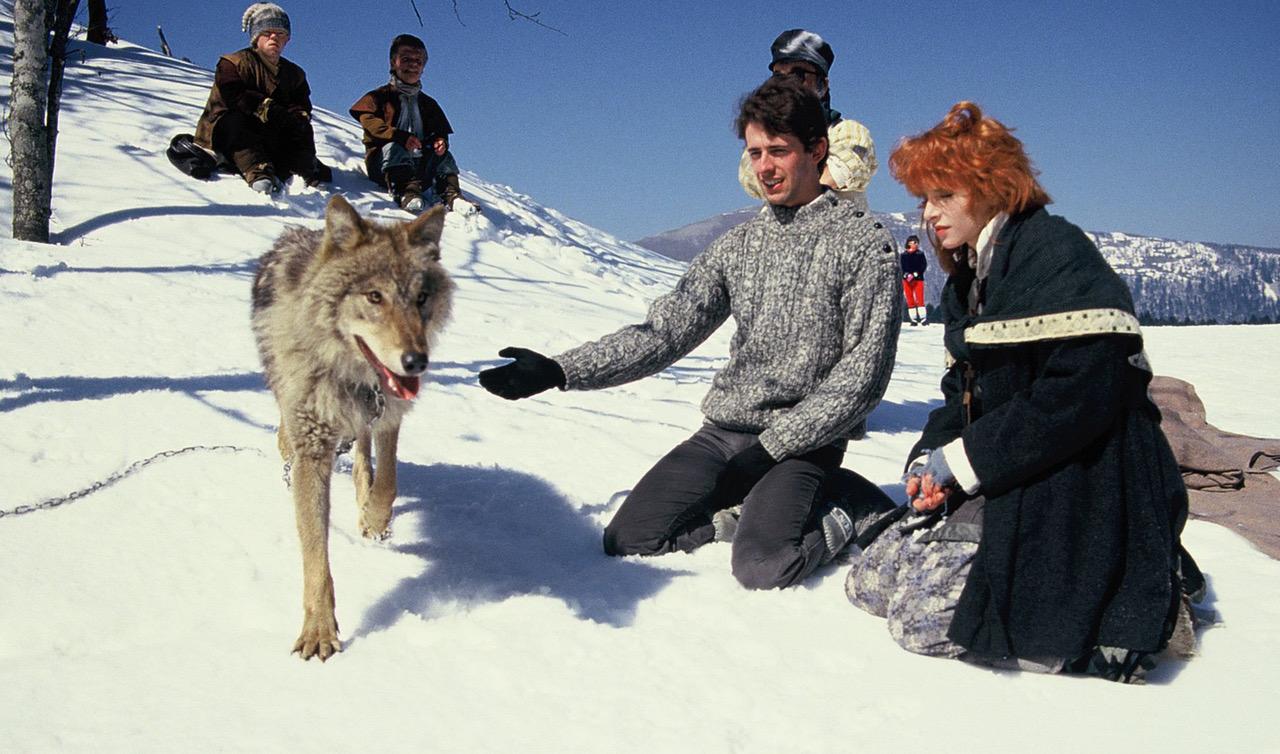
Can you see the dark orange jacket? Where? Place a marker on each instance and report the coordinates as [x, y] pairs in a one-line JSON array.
[[378, 110], [243, 80]]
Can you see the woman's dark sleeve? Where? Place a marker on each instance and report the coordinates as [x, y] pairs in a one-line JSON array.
[[1082, 386], [946, 421]]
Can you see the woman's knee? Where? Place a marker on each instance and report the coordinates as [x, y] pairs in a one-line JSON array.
[[923, 631], [867, 587]]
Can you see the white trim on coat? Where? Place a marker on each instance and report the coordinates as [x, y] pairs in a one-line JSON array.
[[1053, 327]]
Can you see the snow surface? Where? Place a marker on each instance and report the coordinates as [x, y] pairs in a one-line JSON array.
[[157, 614]]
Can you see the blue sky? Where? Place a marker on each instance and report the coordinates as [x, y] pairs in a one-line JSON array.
[[1157, 118]]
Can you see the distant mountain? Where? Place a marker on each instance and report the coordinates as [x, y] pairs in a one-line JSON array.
[[687, 242], [1173, 282]]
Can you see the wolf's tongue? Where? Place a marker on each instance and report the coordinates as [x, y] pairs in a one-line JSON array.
[[401, 387], [405, 388]]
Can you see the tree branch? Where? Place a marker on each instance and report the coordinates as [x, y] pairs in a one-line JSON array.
[[514, 14]]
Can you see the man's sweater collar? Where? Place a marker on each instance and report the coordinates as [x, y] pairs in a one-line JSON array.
[[788, 215]]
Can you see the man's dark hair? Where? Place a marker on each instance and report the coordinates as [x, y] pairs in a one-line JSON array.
[[783, 107]]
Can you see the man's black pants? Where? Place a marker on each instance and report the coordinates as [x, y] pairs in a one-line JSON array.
[[779, 540]]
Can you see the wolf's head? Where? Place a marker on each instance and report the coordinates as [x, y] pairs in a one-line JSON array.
[[398, 295]]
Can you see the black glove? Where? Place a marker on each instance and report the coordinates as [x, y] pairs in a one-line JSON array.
[[747, 467], [529, 374]]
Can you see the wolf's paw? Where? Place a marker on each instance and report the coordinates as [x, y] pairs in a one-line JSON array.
[[319, 637], [375, 519], [376, 533]]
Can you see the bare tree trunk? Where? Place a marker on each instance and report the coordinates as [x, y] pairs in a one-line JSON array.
[[64, 14], [29, 148], [99, 33], [33, 122]]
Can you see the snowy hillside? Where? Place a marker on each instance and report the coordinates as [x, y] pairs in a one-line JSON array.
[[156, 614], [1172, 281]]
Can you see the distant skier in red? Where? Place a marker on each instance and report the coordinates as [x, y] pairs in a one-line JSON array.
[[914, 263]]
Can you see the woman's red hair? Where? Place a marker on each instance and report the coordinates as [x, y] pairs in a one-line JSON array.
[[972, 153]]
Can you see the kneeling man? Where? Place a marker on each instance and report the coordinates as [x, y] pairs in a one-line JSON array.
[[812, 285]]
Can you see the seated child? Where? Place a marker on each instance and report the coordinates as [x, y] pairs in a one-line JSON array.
[[258, 117], [406, 135]]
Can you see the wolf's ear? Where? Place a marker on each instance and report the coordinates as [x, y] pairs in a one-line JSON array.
[[425, 231], [342, 224]]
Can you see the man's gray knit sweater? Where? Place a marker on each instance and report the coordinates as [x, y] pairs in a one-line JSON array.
[[814, 291]]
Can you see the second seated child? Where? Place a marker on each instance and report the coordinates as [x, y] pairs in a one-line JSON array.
[[406, 135]]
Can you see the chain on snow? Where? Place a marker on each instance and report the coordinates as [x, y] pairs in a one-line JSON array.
[[132, 468]]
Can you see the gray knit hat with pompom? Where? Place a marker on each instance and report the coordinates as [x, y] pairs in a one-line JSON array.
[[262, 16]]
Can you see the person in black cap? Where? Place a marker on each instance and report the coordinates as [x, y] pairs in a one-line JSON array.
[[806, 57], [258, 116], [406, 135]]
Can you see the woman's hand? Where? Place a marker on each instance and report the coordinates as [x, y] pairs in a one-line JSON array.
[[925, 495], [929, 482]]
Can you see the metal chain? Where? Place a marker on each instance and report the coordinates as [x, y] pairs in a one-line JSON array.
[[374, 398], [132, 468], [286, 471]]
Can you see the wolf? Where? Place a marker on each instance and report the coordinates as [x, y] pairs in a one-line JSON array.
[[344, 320]]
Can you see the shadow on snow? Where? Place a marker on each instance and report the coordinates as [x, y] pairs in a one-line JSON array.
[[44, 389], [487, 534]]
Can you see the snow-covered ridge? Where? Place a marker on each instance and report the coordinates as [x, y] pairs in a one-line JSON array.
[[1172, 281], [128, 101]]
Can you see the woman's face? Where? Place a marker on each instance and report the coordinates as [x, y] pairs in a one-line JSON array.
[[948, 213]]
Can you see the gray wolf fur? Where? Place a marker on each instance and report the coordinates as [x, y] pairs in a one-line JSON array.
[[345, 319]]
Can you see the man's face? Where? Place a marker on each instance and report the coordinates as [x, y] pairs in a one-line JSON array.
[[271, 42], [408, 64], [803, 73], [789, 174]]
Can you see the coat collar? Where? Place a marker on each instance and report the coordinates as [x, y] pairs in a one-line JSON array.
[[980, 258]]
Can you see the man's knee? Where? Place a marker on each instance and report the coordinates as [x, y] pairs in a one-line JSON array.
[[620, 540], [612, 547], [756, 570]]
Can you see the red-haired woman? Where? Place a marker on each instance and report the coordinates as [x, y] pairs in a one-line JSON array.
[[1045, 503]]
